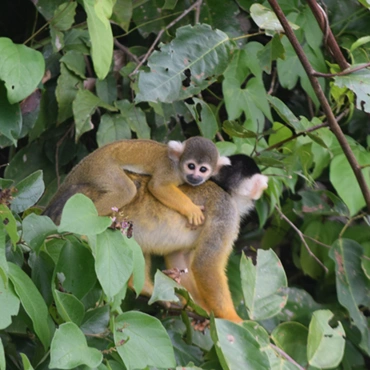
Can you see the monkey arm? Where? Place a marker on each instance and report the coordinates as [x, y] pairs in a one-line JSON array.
[[171, 196]]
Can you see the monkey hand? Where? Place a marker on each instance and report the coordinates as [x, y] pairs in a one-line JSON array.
[[196, 216]]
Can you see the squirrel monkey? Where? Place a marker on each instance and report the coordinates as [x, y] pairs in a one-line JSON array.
[[205, 250], [101, 176]]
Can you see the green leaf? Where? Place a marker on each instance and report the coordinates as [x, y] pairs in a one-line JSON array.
[[74, 256], [299, 307], [33, 303], [204, 117], [233, 128], [81, 217], [325, 347], [69, 307], [36, 228], [272, 51], [353, 289], [98, 14], [96, 321], [359, 83], [291, 337], [113, 261], [2, 356], [64, 16], [252, 100], [66, 91], [9, 223], [236, 347], [22, 69], [142, 341], [9, 304], [285, 114], [26, 362], [83, 108], [322, 202], [164, 289], [11, 117], [112, 128], [69, 349], [122, 13], [28, 192], [264, 294], [139, 265], [135, 118], [343, 179], [201, 51]]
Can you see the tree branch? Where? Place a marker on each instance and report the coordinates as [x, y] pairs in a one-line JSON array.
[[333, 124], [330, 41]]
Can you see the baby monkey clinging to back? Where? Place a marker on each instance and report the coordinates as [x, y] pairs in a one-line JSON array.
[[101, 177]]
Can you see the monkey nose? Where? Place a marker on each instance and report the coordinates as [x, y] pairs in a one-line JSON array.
[[194, 180]]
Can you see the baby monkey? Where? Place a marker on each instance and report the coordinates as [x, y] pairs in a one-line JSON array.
[[101, 177]]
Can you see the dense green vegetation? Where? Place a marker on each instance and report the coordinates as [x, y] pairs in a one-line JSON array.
[[75, 75]]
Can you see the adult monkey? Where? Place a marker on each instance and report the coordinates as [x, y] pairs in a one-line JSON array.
[[205, 250]]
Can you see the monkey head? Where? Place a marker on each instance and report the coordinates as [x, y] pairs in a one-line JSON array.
[[197, 158]]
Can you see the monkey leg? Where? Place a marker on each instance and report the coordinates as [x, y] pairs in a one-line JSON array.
[[182, 261], [117, 190], [208, 267]]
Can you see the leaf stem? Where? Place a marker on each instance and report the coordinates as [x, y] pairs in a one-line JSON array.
[[286, 356]]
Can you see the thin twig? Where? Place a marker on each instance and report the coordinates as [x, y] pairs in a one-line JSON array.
[[160, 33], [126, 50], [333, 124], [345, 227], [342, 73], [301, 236], [286, 356]]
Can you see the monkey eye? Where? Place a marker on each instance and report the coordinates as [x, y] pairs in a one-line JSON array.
[[203, 169], [191, 166]]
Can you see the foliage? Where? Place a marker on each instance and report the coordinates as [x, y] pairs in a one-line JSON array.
[[75, 75]]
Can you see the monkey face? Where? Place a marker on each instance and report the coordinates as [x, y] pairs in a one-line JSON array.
[[196, 173]]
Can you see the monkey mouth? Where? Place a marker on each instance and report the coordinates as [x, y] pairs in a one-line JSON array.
[[194, 181]]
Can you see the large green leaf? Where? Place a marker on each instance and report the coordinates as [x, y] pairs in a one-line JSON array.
[[205, 118], [325, 346], [35, 229], [197, 53], [344, 180], [22, 69], [111, 128], [353, 287], [69, 349], [142, 341], [291, 337], [10, 117], [2, 356], [264, 293], [98, 14], [164, 289], [33, 304], [69, 307], [73, 258], [9, 304], [83, 106], [81, 217], [359, 83], [237, 348], [113, 261], [28, 192]]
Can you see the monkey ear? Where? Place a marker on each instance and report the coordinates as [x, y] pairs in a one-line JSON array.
[[222, 161], [175, 149], [258, 183]]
